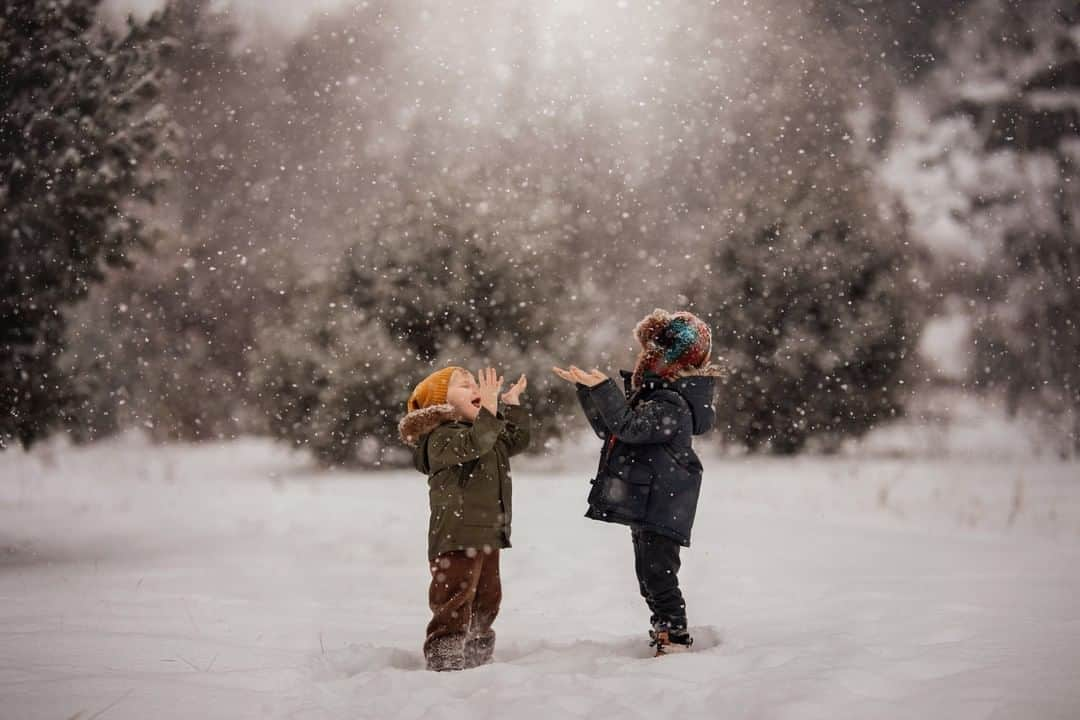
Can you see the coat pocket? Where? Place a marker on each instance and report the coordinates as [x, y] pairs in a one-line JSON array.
[[623, 497]]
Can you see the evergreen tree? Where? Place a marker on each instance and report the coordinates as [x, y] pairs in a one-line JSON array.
[[330, 379], [809, 303], [430, 283], [987, 168], [177, 332], [81, 143]]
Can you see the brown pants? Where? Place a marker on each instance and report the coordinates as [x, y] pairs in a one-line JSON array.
[[464, 596]]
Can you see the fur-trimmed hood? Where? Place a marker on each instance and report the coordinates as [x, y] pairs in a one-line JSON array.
[[420, 422]]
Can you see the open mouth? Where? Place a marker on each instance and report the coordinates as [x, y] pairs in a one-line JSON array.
[[476, 403]]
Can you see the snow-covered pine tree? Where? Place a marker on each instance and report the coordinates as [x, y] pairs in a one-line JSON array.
[[803, 282], [810, 303], [430, 283], [163, 349], [82, 138], [987, 167], [329, 378], [1023, 102]]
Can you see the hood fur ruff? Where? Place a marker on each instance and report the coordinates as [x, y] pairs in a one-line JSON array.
[[420, 422]]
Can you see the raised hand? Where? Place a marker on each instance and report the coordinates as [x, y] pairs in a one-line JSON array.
[[490, 385], [513, 395], [592, 378], [564, 374], [577, 375]]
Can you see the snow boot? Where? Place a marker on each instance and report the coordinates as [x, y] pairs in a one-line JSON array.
[[479, 650], [668, 642], [445, 653]]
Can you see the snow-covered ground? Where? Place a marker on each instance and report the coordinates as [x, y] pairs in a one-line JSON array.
[[234, 581]]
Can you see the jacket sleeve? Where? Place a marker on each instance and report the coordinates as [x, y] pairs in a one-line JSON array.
[[517, 432], [456, 444], [651, 423], [591, 413]]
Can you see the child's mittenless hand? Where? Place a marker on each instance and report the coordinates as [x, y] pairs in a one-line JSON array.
[[577, 375], [564, 374], [513, 395], [490, 385], [590, 379]]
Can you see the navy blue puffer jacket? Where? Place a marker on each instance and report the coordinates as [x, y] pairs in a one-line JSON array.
[[649, 475]]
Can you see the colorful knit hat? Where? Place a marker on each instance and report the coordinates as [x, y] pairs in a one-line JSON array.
[[432, 389], [670, 343]]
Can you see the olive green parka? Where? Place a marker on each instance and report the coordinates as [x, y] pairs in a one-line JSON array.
[[468, 469]]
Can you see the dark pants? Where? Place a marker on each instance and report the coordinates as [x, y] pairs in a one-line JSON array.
[[464, 596], [656, 560]]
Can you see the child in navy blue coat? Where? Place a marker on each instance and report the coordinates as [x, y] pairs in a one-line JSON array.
[[649, 476]]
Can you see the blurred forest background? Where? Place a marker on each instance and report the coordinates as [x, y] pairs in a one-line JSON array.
[[225, 218]]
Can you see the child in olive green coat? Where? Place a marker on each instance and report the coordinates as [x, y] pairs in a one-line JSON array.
[[463, 444]]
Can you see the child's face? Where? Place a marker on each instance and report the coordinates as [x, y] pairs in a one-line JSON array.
[[464, 394]]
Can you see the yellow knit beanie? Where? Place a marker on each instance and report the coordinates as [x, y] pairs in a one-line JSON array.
[[432, 389]]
